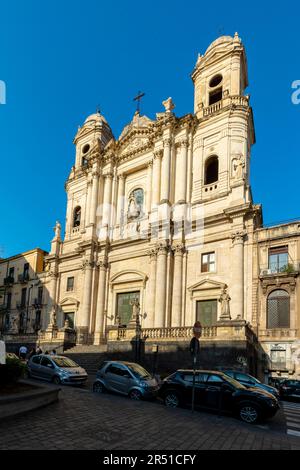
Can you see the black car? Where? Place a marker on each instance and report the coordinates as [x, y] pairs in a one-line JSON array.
[[290, 389], [251, 382], [216, 391]]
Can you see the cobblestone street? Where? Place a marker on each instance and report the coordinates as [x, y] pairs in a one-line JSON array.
[[83, 420]]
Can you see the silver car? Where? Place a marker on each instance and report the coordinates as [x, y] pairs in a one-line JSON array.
[[126, 378], [56, 369]]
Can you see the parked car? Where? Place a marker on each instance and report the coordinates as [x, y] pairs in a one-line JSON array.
[[276, 381], [290, 389], [216, 391], [56, 369], [249, 381], [127, 378]]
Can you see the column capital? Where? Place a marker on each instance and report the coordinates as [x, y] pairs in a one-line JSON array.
[[167, 142], [121, 176], [238, 236], [87, 264], [157, 154], [183, 143], [150, 164], [102, 264], [152, 252], [178, 248], [108, 175], [162, 247]]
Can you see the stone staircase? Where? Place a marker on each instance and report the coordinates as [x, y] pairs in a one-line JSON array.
[[88, 356]]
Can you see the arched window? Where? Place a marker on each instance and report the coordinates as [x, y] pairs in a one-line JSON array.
[[135, 204], [216, 91], [278, 309], [77, 216], [211, 170]]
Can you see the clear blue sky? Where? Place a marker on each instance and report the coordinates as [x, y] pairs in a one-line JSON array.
[[59, 59]]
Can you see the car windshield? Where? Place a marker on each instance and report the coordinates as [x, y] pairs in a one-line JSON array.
[[138, 371], [235, 383], [64, 362]]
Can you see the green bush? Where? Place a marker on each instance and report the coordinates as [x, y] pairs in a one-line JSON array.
[[12, 371]]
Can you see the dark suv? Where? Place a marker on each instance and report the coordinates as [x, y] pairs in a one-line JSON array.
[[290, 389], [216, 391]]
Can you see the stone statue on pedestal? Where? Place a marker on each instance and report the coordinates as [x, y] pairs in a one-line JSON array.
[[225, 308]]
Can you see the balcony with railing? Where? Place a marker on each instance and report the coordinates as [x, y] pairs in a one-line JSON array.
[[226, 101], [291, 268], [23, 278]]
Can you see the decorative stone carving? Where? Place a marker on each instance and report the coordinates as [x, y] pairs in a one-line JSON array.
[[87, 264], [238, 165], [168, 105], [178, 248], [225, 308], [238, 236], [57, 230]]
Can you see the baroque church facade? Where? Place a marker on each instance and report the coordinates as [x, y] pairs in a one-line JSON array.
[[164, 216]]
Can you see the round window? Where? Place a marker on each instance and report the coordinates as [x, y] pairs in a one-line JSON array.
[[216, 80], [86, 148]]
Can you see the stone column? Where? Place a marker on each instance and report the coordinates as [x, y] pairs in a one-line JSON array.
[[161, 283], [152, 287], [94, 196], [107, 199], [88, 201], [238, 274], [99, 324], [176, 318], [149, 187], [53, 274], [156, 178], [182, 173], [165, 172], [82, 326], [120, 201], [189, 171]]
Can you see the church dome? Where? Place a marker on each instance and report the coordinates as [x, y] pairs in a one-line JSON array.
[[96, 118], [222, 41]]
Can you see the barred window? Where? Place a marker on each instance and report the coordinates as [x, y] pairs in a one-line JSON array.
[[278, 309]]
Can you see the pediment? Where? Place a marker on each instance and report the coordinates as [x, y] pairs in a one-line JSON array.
[[134, 144], [128, 276], [207, 284], [69, 301]]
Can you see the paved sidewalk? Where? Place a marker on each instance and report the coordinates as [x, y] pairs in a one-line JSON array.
[[82, 420]]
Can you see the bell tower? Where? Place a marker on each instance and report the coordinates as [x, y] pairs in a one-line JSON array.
[[225, 130], [83, 185]]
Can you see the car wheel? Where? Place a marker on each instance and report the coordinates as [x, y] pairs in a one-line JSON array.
[[249, 413], [98, 387], [56, 380], [135, 394], [171, 400]]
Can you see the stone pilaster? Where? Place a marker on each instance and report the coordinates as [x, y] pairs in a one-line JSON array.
[[176, 319], [107, 199], [152, 288], [88, 201], [94, 195], [120, 201], [161, 285], [156, 180], [83, 323], [149, 187], [182, 172], [165, 172], [237, 274], [100, 309]]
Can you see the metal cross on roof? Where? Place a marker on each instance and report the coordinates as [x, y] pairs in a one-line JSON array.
[[138, 98]]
